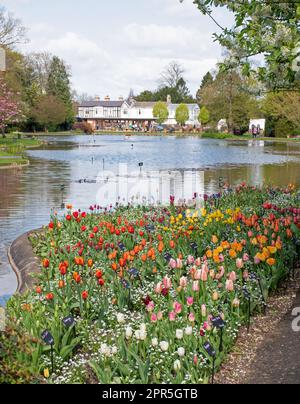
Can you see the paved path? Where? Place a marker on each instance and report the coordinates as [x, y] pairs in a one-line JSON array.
[[278, 360]]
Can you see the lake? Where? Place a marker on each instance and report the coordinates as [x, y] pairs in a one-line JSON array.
[[85, 170]]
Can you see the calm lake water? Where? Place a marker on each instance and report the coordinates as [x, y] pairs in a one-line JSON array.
[[84, 170]]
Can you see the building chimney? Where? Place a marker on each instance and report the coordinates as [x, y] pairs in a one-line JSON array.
[[107, 98], [121, 98], [97, 98]]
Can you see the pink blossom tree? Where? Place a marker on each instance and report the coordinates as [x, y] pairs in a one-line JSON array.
[[10, 108]]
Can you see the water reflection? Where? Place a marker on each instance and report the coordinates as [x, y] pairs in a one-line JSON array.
[[68, 168]]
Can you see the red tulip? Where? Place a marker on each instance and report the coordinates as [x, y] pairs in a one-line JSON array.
[[46, 263], [85, 295], [50, 297]]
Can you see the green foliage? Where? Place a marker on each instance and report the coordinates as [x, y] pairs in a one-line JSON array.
[[160, 112], [182, 114], [284, 128], [268, 28], [204, 116], [50, 112]]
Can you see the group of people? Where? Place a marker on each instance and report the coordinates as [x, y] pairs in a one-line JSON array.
[[256, 131]]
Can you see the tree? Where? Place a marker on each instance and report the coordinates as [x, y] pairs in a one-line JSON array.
[[182, 114], [283, 109], [228, 98], [10, 108], [160, 112], [171, 76], [11, 30], [59, 86], [266, 28], [207, 80], [50, 112], [204, 116], [40, 64], [145, 96]]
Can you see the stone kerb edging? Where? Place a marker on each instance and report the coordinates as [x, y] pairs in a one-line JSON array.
[[24, 262]]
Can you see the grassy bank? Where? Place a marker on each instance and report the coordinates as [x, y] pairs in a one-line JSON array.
[[12, 150]]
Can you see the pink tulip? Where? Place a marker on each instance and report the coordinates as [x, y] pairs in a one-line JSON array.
[[246, 258], [190, 260], [203, 310], [196, 286], [153, 318], [150, 307], [239, 263], [198, 262], [192, 317], [159, 316], [177, 307], [172, 316], [167, 282], [212, 274], [203, 276], [197, 274], [183, 282], [196, 360], [190, 301], [172, 263], [158, 288], [229, 286], [232, 276], [221, 273], [256, 261], [221, 258], [246, 275]]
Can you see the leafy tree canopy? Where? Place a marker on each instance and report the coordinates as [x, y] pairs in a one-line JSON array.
[[182, 114], [160, 112]]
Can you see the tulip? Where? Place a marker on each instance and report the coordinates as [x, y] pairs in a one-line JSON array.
[[46, 263], [190, 260], [239, 263], [159, 316], [85, 295], [203, 310], [120, 318], [177, 307], [153, 318], [190, 301], [188, 331], [172, 316], [196, 286], [150, 307], [158, 288], [179, 334], [197, 275], [204, 276], [38, 290], [232, 276], [164, 346], [181, 352], [179, 264], [172, 264], [246, 257], [192, 317], [183, 282], [128, 332], [154, 342], [198, 262], [236, 303], [215, 296], [229, 286], [196, 360], [177, 365]]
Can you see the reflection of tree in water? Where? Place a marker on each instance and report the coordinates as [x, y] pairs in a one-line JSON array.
[[41, 186], [10, 188]]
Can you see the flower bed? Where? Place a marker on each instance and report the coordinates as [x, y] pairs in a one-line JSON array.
[[157, 293]]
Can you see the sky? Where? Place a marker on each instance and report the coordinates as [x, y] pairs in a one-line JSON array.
[[113, 46]]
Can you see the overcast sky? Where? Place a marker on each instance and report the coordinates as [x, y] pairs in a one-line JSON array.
[[116, 45]]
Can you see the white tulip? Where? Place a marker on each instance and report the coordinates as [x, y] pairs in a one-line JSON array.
[[143, 335], [120, 318], [164, 346], [128, 332], [138, 335], [179, 334], [177, 365], [181, 352], [114, 350], [189, 331], [143, 328], [154, 342]]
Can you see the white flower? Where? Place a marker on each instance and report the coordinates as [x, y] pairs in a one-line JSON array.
[[154, 342], [114, 350], [143, 328], [137, 334], [105, 350], [177, 365], [164, 346], [179, 334], [189, 331], [120, 318], [128, 332], [181, 352], [143, 335]]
